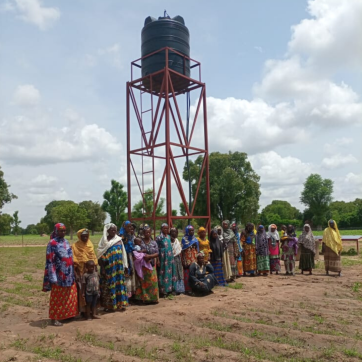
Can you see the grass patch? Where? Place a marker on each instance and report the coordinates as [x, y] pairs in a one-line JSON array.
[[275, 339], [352, 353], [217, 326], [181, 352], [129, 350], [56, 354], [235, 286], [356, 287]]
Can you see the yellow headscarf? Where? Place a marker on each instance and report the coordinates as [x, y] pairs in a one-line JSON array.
[[82, 252], [332, 238], [204, 245]]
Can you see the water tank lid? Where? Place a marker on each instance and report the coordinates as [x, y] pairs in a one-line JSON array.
[[151, 19]]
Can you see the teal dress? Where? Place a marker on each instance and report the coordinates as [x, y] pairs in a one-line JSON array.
[[167, 276]]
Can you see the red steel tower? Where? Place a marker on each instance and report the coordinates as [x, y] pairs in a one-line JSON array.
[[157, 143]]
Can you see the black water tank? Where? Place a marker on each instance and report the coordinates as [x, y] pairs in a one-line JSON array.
[[165, 32]]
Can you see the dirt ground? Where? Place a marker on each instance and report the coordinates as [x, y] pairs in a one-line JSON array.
[[275, 318]]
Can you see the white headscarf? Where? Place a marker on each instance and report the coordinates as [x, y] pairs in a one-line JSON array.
[[274, 234], [104, 243], [176, 247]]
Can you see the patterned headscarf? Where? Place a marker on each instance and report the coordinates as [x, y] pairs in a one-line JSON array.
[[273, 235], [307, 239], [122, 230], [228, 234], [57, 227], [332, 238], [188, 240], [261, 244]]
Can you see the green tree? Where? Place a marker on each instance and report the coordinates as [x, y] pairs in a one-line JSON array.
[[42, 228], [95, 214], [6, 221], [317, 196], [346, 213], [31, 229], [72, 215], [234, 187], [5, 195], [115, 202], [16, 223], [48, 218], [280, 212], [145, 209]]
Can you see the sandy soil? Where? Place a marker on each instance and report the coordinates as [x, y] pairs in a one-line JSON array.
[[275, 318]]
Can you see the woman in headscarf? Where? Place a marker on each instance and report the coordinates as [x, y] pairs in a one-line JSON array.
[[239, 262], [147, 290], [179, 272], [204, 244], [307, 244], [166, 267], [201, 277], [232, 247], [59, 277], [226, 267], [127, 234], [332, 248], [190, 248], [216, 257], [289, 250], [274, 251], [249, 254], [113, 262], [83, 250], [262, 251]]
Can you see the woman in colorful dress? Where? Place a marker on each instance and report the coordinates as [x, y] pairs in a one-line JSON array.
[[247, 239], [127, 234], [177, 249], [83, 250], [147, 290], [332, 248], [274, 251], [232, 247], [166, 267], [59, 277], [289, 250], [262, 251], [113, 262], [204, 244], [307, 245], [190, 248], [201, 278], [216, 257], [239, 260]]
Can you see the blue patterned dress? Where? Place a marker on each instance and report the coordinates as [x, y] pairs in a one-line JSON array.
[[114, 291], [166, 271]]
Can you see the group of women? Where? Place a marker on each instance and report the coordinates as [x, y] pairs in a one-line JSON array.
[[134, 267]]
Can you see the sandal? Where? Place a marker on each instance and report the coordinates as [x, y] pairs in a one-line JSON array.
[[56, 323]]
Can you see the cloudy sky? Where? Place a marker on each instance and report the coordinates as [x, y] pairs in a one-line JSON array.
[[283, 83]]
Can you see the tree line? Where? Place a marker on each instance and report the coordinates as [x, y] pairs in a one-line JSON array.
[[234, 195]]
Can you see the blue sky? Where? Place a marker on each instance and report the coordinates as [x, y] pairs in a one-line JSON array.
[[284, 76]]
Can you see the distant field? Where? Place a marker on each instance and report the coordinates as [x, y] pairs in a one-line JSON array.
[[38, 240]]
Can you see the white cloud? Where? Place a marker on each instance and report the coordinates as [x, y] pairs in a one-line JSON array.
[[348, 187], [331, 38], [42, 189], [281, 178], [259, 49], [338, 160], [234, 124], [31, 139], [26, 95], [32, 11], [113, 54]]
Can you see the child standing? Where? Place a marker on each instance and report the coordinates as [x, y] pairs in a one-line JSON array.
[[140, 258], [90, 288]]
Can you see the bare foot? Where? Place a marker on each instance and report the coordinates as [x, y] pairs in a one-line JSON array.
[[96, 317]]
